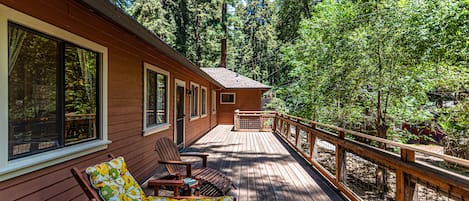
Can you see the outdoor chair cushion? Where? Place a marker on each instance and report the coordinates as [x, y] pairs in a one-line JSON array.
[[113, 181]]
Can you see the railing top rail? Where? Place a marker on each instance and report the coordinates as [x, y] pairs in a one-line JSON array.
[[445, 157], [256, 112]]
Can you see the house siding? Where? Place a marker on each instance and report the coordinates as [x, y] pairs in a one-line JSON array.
[[126, 55], [246, 99]]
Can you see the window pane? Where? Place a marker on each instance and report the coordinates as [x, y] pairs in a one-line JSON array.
[[80, 94], [151, 98], [214, 102], [161, 97], [194, 101], [227, 98], [32, 98], [156, 94], [204, 101]]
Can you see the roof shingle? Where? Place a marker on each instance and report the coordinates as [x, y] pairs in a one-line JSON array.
[[232, 80]]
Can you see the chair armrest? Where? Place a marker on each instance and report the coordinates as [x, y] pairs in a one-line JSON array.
[[200, 155], [178, 182], [187, 164]]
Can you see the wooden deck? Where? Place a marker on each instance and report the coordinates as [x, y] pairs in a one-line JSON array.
[[262, 167]]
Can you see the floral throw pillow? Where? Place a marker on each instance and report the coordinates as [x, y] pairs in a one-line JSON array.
[[113, 181]]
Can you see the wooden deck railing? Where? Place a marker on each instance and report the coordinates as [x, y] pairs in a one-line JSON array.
[[362, 171], [254, 120]]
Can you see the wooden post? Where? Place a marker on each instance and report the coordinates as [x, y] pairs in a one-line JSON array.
[[312, 143], [340, 163], [405, 187], [297, 132], [274, 124], [261, 118], [282, 124], [236, 120]]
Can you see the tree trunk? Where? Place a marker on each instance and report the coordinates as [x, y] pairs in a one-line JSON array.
[[223, 40], [197, 41], [381, 173]]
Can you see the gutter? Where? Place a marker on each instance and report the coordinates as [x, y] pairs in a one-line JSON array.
[[109, 11]]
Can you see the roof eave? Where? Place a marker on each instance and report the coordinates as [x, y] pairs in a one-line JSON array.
[[266, 89], [117, 16]]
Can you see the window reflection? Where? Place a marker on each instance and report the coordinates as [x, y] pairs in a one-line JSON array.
[[52, 92]]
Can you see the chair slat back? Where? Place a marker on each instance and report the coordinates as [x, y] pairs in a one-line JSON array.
[[168, 151], [81, 177], [84, 182]]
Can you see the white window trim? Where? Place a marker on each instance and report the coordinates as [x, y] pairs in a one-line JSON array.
[[214, 102], [206, 101], [227, 103], [20, 166], [197, 116], [158, 128]]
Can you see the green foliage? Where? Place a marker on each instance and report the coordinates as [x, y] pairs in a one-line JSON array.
[[351, 54], [277, 104], [348, 63]]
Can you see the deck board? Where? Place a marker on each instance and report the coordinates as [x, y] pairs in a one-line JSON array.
[[262, 167]]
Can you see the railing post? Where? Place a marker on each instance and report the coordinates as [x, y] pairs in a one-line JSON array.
[[261, 118], [236, 120], [405, 187], [282, 124], [312, 142], [297, 132], [340, 163], [274, 124]]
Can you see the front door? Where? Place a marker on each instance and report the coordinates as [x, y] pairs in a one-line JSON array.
[[179, 113]]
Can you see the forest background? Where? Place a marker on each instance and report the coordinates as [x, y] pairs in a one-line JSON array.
[[371, 66]]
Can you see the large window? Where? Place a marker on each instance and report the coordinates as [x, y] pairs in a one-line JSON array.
[[156, 98], [227, 98], [194, 100], [214, 101], [52, 92], [53, 95], [203, 101]]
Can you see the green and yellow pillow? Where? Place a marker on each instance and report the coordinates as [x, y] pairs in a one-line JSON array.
[[113, 182]]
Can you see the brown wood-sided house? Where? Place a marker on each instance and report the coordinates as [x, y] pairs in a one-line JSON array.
[[238, 93], [79, 79]]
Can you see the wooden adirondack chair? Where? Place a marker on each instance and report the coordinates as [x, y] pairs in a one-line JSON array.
[[98, 192], [214, 183]]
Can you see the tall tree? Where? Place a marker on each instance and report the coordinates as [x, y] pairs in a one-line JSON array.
[[156, 16], [290, 13]]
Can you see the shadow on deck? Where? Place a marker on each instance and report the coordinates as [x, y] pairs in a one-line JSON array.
[[262, 166]]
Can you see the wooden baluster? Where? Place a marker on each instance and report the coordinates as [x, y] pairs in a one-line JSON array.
[[340, 163], [405, 187]]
